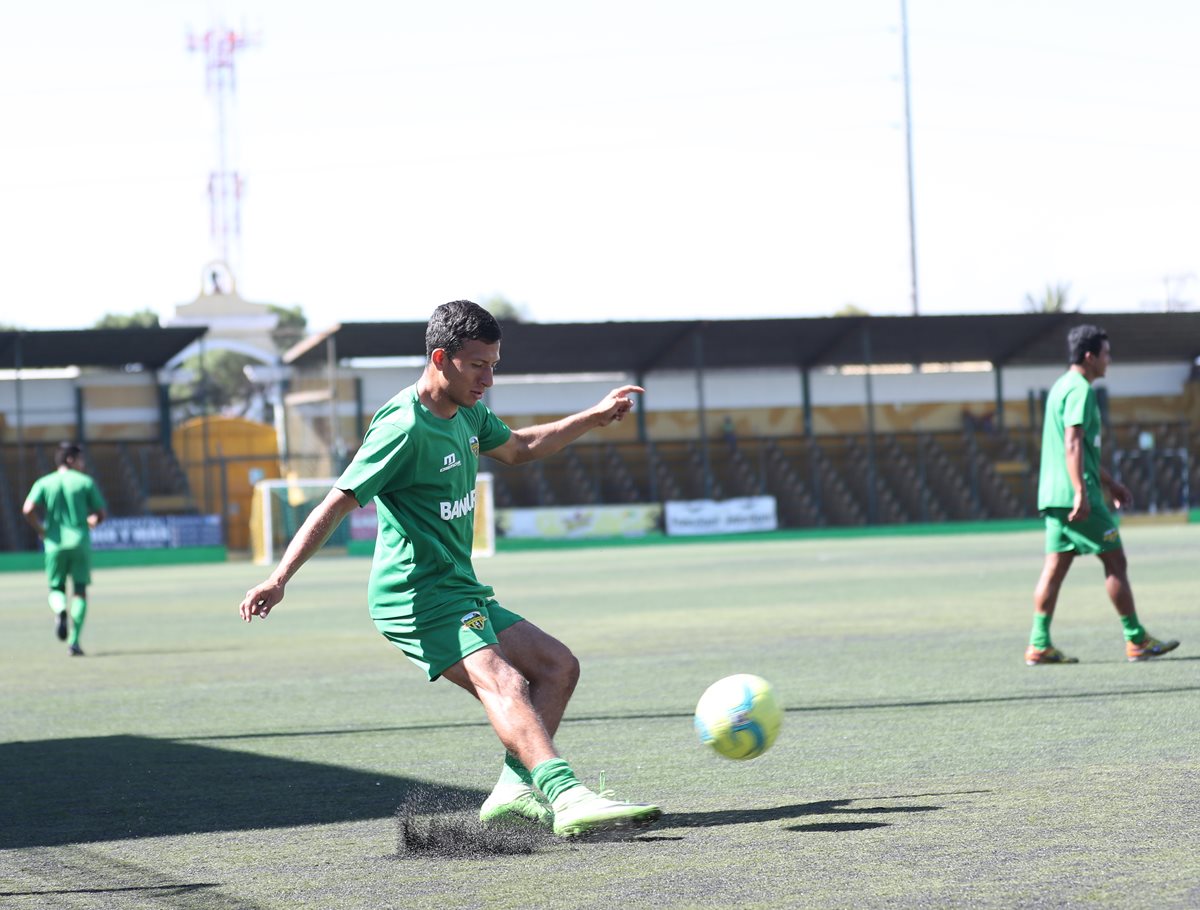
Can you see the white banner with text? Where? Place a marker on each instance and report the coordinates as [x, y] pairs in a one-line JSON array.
[[727, 516]]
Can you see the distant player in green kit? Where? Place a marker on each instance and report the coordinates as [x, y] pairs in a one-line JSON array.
[[418, 461], [63, 507], [1071, 497]]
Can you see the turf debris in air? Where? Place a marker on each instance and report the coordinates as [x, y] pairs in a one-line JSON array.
[[436, 822]]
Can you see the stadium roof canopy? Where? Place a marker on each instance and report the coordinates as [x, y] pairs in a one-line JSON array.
[[1021, 339], [148, 347]]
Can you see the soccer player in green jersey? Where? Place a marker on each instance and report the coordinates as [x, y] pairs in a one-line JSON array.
[[70, 505], [418, 462], [1071, 497]]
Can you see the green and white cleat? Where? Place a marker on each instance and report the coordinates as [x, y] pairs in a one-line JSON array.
[[515, 803], [579, 811]]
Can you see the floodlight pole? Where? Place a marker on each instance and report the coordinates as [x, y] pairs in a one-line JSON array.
[[698, 362], [18, 363], [912, 220]]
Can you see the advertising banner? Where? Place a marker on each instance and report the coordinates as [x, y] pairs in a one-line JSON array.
[[575, 522], [157, 532], [728, 516]]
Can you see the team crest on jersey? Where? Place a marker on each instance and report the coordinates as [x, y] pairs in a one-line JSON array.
[[475, 621], [475, 446]]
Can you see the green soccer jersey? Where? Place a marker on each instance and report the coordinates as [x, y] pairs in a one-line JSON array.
[[1071, 403], [66, 498], [420, 470]]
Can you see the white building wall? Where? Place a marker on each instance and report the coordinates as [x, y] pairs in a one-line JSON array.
[[43, 400], [379, 385], [731, 389], [48, 397]]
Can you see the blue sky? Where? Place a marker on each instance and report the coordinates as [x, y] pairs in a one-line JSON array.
[[616, 160]]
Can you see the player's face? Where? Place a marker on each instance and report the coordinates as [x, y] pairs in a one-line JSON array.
[[470, 372], [1101, 361]]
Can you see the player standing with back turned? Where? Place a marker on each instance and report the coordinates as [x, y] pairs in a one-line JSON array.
[[1071, 497], [418, 461]]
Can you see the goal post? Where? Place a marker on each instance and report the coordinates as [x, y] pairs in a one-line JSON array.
[[279, 507]]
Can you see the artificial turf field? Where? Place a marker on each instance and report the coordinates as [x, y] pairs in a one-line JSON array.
[[191, 761]]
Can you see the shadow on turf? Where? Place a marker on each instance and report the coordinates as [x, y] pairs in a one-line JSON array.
[[149, 890], [71, 791], [435, 822], [156, 652], [797, 810]]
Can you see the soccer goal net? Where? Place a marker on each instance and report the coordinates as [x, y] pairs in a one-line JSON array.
[[280, 506]]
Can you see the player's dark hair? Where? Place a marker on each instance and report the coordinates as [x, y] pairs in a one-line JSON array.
[[1083, 340], [67, 454], [457, 322]]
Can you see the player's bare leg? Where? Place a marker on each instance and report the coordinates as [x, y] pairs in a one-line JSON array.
[[549, 666], [1116, 581], [1139, 644], [1045, 599], [1054, 573], [505, 696], [512, 703]]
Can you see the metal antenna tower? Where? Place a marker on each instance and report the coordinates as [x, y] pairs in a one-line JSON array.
[[912, 214], [219, 45]]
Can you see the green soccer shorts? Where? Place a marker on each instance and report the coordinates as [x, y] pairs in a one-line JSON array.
[[1096, 534], [75, 562], [443, 640]]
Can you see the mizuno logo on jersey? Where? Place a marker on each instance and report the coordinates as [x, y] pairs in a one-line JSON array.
[[458, 508], [450, 461]]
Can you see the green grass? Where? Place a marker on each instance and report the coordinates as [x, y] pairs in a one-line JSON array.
[[191, 761]]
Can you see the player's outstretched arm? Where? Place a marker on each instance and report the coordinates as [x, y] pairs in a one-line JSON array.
[[532, 443], [321, 522]]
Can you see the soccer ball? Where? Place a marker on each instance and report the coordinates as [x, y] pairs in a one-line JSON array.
[[739, 716]]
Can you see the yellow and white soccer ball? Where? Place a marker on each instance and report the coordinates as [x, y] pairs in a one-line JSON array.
[[739, 716]]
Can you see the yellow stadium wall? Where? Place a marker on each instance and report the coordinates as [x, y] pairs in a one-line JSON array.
[[238, 448]]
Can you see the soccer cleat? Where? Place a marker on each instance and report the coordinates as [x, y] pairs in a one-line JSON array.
[[579, 811], [1149, 647], [60, 625], [1047, 655], [75, 651], [515, 802]]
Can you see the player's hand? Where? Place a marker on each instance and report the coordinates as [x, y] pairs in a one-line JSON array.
[[615, 405], [260, 600], [1121, 497], [1082, 508]]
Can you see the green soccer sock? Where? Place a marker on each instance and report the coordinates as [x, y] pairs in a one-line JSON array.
[[1039, 637], [58, 601], [553, 777], [78, 612], [1133, 629], [514, 772]]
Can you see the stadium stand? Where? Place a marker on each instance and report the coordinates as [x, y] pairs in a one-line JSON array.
[[136, 478]]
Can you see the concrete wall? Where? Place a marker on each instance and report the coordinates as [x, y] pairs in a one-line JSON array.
[[116, 405]]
